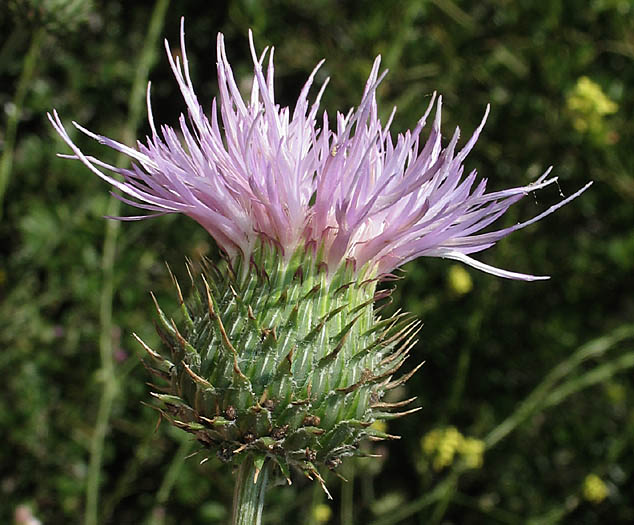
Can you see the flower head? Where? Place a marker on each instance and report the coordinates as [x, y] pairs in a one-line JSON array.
[[254, 171]]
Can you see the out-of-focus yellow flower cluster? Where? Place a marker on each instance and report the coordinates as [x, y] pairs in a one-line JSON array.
[[594, 489], [459, 280], [322, 513], [442, 445], [588, 105]]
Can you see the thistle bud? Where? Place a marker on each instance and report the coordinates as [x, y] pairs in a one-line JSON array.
[[282, 360]]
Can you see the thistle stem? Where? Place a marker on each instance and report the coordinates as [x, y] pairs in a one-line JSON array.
[[248, 495], [347, 495]]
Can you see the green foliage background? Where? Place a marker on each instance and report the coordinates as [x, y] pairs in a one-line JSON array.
[[67, 312]]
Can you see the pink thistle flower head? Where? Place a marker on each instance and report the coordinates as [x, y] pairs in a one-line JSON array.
[[252, 171]]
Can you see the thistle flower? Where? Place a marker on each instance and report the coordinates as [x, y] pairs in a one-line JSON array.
[[282, 357], [266, 173]]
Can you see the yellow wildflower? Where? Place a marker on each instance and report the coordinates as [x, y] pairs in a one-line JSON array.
[[322, 513], [459, 280], [594, 489]]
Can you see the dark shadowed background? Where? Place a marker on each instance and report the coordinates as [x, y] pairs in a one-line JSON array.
[[527, 390]]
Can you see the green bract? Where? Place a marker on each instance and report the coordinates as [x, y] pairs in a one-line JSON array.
[[282, 360]]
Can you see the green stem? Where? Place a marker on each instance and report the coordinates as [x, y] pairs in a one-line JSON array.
[[437, 494], [248, 495], [109, 391], [24, 82], [316, 499], [157, 516], [443, 503], [347, 495], [458, 385], [535, 400], [599, 374], [125, 484], [492, 513]]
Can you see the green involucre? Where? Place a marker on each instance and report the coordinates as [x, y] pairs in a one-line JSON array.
[[281, 360]]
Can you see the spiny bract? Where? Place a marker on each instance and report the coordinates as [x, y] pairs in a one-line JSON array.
[[281, 360]]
